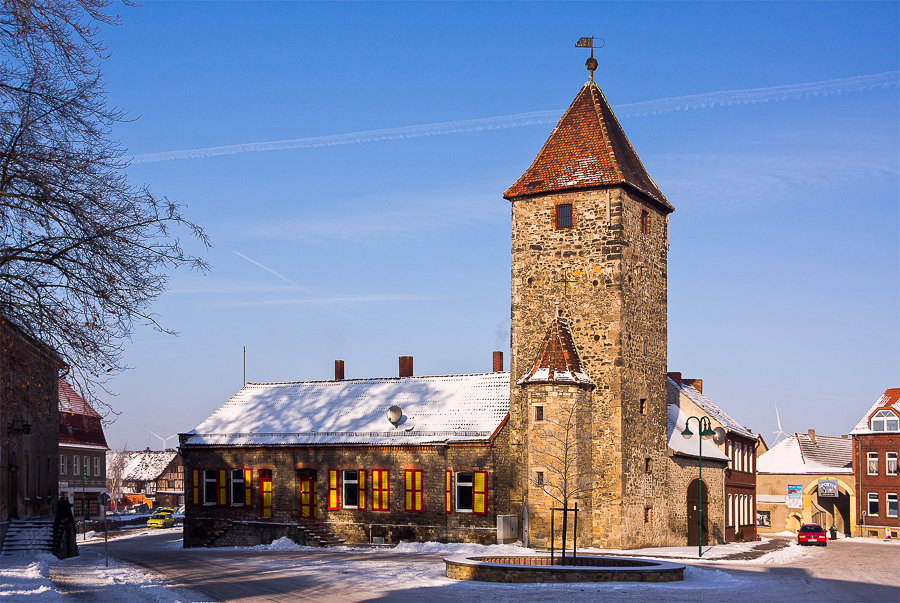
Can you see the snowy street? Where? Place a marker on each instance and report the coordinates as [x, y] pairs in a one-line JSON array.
[[152, 567]]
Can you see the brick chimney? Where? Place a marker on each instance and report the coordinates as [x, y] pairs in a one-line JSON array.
[[498, 362], [676, 377], [406, 366], [697, 384], [338, 370], [812, 436]]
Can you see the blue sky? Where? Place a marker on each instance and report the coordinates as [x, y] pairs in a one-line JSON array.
[[783, 272]]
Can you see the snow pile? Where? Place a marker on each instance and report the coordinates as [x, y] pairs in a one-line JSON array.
[[709, 578], [461, 548], [789, 554], [282, 544], [32, 581]]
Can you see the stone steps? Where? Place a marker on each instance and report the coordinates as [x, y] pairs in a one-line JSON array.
[[28, 536]]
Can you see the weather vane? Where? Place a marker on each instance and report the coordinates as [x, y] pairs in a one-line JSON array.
[[591, 63]]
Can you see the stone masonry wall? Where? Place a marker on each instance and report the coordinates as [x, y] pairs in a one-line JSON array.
[[681, 472], [357, 525], [610, 281]]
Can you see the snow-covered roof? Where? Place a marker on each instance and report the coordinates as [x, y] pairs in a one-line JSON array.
[[445, 408], [889, 399], [716, 413], [688, 446], [144, 465], [80, 426], [800, 454]]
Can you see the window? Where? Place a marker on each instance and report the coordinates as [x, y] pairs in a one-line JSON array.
[[729, 521], [96, 466], [381, 490], [643, 406], [354, 486], [648, 465], [75, 471], [885, 420], [890, 463], [464, 495], [265, 493], [413, 491], [62, 464], [648, 514], [209, 487], [237, 487], [539, 479], [645, 221], [873, 504], [538, 413], [891, 502], [873, 463], [564, 218], [87, 466], [334, 495]]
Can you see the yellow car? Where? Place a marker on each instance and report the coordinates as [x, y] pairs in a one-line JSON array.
[[161, 520]]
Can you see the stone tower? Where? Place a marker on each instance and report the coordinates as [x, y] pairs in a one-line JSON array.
[[589, 237]]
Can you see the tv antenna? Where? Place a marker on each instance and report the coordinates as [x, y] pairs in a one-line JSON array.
[[591, 63], [164, 440]]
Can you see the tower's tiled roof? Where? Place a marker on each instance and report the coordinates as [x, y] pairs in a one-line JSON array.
[[558, 360], [587, 149]]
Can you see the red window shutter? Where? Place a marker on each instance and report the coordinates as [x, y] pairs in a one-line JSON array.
[[195, 485], [334, 498], [479, 492], [448, 491], [361, 504], [222, 487], [248, 487]]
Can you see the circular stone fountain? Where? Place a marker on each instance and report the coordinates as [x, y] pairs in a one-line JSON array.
[[537, 568]]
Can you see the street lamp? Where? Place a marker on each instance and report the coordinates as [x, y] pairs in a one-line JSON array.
[[84, 474], [705, 427]]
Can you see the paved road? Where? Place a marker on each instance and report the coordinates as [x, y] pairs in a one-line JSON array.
[[844, 571]]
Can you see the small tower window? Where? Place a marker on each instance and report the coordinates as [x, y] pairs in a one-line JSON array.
[[645, 221], [648, 514], [538, 413], [648, 465], [539, 479], [564, 218], [643, 406]]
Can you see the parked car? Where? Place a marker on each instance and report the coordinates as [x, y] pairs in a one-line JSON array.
[[161, 520], [165, 510], [811, 533]]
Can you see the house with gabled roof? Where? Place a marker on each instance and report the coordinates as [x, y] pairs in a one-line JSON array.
[[807, 478], [152, 477], [876, 442], [82, 453]]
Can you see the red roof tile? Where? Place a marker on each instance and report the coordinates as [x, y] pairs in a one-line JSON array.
[[587, 149], [78, 423], [558, 360]]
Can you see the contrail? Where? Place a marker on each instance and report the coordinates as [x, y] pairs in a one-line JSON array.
[[653, 107], [267, 269]]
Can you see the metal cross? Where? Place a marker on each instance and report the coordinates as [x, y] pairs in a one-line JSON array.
[[566, 283]]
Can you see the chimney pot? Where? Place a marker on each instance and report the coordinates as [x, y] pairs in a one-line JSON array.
[[697, 384], [844, 437], [676, 377], [498, 362], [406, 366], [812, 435], [338, 370]]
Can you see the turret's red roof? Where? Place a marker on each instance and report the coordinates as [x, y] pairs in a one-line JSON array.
[[587, 149], [558, 360], [79, 424]]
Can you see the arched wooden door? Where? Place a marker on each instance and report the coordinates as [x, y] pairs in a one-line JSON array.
[[696, 494]]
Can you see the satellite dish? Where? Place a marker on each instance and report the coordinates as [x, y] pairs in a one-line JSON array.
[[719, 438], [394, 414]]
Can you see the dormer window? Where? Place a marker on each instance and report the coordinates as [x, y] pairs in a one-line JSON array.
[[885, 420]]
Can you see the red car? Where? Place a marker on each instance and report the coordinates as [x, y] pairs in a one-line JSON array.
[[812, 533]]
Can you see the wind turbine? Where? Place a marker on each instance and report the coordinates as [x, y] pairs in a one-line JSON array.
[[778, 434], [164, 440]]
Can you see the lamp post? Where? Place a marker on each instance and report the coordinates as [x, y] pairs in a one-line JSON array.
[[705, 427], [84, 474]]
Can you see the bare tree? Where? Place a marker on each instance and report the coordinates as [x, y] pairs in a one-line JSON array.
[[562, 449], [83, 251], [116, 461]]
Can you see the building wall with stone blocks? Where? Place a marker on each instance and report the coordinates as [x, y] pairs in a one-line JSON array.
[[681, 472], [287, 464], [559, 445], [609, 278]]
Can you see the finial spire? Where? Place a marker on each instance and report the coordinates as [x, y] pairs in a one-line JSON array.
[[557, 308], [591, 63]]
